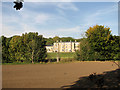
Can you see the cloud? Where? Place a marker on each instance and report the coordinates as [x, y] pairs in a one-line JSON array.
[[9, 31], [27, 28], [61, 12], [51, 24], [27, 20], [65, 0], [103, 17], [74, 29], [67, 6], [99, 15], [42, 18], [74, 32]]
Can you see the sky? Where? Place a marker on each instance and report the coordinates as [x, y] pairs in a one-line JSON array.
[[63, 19]]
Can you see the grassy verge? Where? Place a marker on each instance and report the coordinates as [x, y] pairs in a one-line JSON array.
[[51, 57], [60, 62], [15, 63], [61, 55]]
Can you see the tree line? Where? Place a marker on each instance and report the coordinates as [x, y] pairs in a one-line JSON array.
[[30, 47], [99, 44], [50, 41]]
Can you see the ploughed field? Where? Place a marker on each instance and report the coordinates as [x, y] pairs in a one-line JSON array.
[[50, 75]]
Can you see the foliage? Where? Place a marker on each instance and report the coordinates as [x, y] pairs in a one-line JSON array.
[[86, 52], [56, 38], [98, 37], [67, 39], [50, 41], [99, 45], [115, 47], [5, 47], [35, 47], [30, 47]]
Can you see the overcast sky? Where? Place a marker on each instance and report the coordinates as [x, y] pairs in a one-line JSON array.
[[62, 19]]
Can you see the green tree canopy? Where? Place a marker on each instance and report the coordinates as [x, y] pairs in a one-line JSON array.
[[99, 39], [30, 47], [5, 49], [56, 38]]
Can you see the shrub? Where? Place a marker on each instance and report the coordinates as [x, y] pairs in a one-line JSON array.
[[86, 53]]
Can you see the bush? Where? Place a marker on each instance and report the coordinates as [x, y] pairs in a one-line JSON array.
[[86, 53], [67, 60]]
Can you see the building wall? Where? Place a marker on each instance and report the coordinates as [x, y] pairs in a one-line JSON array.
[[49, 48], [63, 47]]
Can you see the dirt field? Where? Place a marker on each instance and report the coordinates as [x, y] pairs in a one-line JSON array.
[[50, 75]]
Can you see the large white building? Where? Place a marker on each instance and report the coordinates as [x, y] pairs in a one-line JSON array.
[[63, 47]]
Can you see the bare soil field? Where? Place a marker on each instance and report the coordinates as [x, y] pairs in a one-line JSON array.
[[50, 75]]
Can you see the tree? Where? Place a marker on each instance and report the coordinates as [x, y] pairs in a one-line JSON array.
[[86, 53], [16, 46], [99, 45], [115, 47], [0, 49], [35, 44], [56, 38], [49, 41], [99, 39], [67, 39], [5, 49], [30, 47]]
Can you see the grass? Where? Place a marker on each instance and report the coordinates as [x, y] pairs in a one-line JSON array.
[[64, 58], [60, 62], [16, 63], [61, 55]]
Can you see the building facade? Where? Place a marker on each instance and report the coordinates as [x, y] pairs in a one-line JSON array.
[[49, 48], [63, 47]]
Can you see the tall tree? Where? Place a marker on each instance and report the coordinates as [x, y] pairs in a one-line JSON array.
[[115, 47], [28, 47], [15, 48], [35, 43], [5, 49], [86, 52], [99, 39]]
